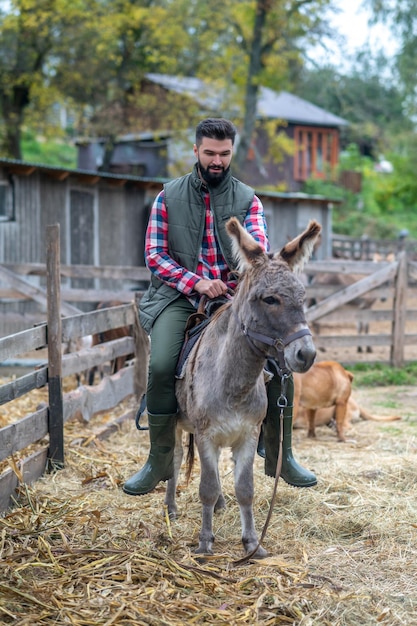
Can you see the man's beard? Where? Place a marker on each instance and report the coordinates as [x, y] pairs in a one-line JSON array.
[[213, 178]]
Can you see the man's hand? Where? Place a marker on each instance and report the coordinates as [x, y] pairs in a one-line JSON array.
[[211, 288]]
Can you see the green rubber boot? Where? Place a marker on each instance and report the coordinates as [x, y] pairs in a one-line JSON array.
[[291, 471], [159, 465]]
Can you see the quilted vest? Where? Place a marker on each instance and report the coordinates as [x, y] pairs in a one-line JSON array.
[[186, 220]]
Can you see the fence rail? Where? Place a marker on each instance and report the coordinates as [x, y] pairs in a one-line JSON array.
[[391, 283], [48, 421]]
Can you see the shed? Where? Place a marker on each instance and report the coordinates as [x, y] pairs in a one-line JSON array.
[[102, 216], [140, 154], [103, 219]]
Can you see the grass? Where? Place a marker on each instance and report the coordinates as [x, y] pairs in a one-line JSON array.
[[378, 374], [75, 549], [56, 153]]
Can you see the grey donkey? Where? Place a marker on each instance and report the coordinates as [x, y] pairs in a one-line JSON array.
[[222, 395]]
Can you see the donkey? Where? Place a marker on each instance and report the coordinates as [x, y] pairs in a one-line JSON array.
[[221, 392]]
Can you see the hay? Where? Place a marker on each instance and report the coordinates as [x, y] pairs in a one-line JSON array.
[[77, 550]]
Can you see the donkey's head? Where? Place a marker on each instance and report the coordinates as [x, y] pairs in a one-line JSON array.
[[270, 299]]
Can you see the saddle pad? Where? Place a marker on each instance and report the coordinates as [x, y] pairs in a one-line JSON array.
[[191, 337]]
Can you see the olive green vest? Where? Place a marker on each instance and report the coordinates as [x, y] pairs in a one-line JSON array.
[[186, 220]]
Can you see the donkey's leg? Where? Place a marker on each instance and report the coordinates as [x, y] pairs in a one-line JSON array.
[[210, 493], [220, 504], [170, 494], [244, 456]]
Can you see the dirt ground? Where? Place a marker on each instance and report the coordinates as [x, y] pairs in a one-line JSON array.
[[77, 550]]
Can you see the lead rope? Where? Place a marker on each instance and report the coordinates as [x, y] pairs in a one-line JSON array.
[[282, 403]]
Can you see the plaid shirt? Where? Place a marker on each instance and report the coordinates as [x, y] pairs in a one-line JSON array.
[[211, 263]]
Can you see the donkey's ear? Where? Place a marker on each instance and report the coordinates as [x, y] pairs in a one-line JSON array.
[[244, 247], [298, 251]]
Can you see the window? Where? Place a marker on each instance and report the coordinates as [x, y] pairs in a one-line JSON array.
[[317, 152], [6, 202]]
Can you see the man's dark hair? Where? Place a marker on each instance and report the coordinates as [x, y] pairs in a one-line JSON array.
[[215, 128]]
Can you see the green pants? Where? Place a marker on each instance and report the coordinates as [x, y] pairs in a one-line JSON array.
[[167, 337]]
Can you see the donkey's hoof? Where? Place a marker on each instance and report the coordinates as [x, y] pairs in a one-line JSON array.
[[205, 545], [250, 546], [261, 553], [203, 550]]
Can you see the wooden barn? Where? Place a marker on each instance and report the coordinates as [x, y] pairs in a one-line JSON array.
[[314, 131], [102, 218]]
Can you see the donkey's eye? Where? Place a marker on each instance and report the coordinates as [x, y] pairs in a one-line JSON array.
[[271, 300]]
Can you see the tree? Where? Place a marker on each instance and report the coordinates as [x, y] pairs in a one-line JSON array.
[[87, 54], [372, 104], [401, 17], [33, 36], [25, 42], [93, 55], [273, 47]]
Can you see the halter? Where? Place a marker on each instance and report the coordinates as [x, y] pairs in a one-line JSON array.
[[276, 342]]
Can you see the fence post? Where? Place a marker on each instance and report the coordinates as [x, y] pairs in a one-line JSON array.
[[54, 336], [399, 318]]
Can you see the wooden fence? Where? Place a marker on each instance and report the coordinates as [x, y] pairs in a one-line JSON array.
[[48, 421], [368, 249], [392, 284], [382, 298]]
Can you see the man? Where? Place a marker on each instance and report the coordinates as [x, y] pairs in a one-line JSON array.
[[189, 255]]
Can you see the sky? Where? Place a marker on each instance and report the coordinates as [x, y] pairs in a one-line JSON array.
[[352, 24]]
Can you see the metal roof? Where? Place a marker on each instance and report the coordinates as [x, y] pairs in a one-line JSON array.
[[293, 109], [26, 168], [271, 104]]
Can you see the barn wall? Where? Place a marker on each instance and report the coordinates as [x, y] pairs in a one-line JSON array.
[[121, 226], [287, 215], [17, 241], [102, 221], [53, 195]]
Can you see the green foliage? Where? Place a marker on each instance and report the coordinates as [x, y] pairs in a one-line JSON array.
[[386, 203], [58, 154], [377, 374]]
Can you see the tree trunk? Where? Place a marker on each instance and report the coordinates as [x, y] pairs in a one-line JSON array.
[[13, 104], [252, 86]]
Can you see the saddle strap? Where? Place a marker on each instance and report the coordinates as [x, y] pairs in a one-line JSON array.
[[196, 318]]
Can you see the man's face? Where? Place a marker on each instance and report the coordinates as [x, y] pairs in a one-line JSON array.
[[214, 159]]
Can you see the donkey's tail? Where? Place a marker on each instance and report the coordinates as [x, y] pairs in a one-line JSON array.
[[190, 458]]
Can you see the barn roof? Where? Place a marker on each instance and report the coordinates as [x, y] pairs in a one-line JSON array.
[[271, 104], [289, 107], [25, 168]]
